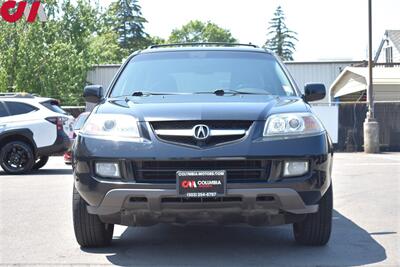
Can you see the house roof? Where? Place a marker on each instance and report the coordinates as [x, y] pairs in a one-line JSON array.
[[354, 79], [394, 36]]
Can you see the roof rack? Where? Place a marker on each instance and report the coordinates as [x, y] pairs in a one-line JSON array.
[[202, 44], [17, 95]]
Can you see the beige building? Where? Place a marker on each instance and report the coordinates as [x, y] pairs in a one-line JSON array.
[[351, 84]]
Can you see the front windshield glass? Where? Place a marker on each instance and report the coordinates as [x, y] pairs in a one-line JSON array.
[[190, 72]]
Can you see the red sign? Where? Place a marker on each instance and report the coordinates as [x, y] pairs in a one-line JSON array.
[[8, 13]]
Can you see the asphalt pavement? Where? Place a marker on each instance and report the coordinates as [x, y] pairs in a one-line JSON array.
[[36, 226]]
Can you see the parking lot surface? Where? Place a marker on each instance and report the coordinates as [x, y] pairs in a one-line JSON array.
[[36, 226]]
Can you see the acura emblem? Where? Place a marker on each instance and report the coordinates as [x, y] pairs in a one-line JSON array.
[[201, 132]]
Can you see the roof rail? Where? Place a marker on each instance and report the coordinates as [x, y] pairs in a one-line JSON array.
[[202, 44], [17, 95]]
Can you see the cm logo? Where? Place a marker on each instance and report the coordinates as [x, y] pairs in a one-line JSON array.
[[12, 11], [188, 184]]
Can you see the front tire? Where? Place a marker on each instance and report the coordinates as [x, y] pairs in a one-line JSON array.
[[89, 230], [40, 162], [316, 228], [17, 157]]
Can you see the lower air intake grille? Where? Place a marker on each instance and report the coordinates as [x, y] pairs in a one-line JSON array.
[[237, 170]]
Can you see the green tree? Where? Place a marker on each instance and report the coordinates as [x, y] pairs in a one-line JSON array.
[[281, 40], [197, 31], [3, 79], [52, 58], [105, 49], [156, 40], [9, 47], [79, 21], [125, 18], [68, 87]]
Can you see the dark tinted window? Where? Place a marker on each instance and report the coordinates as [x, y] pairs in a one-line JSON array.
[[203, 71], [53, 106], [16, 108], [3, 111], [80, 121]]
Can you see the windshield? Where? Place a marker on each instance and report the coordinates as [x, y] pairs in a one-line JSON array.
[[190, 72]]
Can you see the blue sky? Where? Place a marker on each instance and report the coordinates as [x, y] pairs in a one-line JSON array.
[[327, 29]]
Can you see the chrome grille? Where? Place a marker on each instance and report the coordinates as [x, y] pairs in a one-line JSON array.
[[182, 132]]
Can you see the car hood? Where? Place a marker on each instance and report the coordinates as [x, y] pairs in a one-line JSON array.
[[203, 107]]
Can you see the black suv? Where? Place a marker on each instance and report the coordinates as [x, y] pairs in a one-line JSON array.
[[198, 134]]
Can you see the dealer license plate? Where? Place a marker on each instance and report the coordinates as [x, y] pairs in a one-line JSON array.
[[201, 183]]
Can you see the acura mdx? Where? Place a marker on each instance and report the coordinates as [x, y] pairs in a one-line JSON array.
[[202, 133]]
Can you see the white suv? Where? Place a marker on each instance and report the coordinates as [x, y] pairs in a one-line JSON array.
[[31, 129]]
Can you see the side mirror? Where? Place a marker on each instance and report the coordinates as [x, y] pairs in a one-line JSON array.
[[93, 93], [314, 92]]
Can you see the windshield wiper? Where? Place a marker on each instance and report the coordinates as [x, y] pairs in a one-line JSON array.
[[221, 92], [143, 93]]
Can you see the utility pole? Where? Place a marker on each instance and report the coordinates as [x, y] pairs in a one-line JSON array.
[[371, 126]]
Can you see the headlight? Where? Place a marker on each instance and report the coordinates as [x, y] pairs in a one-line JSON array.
[[111, 125], [292, 125]]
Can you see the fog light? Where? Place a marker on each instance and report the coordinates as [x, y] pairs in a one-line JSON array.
[[295, 168], [106, 169]]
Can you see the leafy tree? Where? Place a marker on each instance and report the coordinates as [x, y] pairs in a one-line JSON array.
[[31, 60], [78, 22], [281, 40], [125, 18], [105, 49], [10, 42], [197, 31], [66, 87], [156, 40], [52, 58], [3, 78]]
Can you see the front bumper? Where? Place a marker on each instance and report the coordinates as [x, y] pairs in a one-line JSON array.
[[136, 203]]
